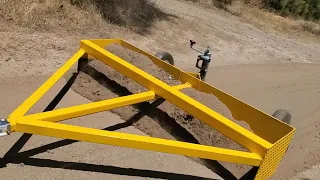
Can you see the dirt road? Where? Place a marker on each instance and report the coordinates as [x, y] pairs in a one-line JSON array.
[[272, 86], [268, 94], [266, 70], [52, 158], [232, 40]]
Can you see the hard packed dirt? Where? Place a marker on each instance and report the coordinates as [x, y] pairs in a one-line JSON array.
[[266, 70]]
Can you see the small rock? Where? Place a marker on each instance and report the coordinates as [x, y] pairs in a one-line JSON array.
[[9, 18]]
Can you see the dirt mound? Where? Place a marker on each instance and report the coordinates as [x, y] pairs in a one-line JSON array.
[[80, 16], [158, 117], [141, 62]]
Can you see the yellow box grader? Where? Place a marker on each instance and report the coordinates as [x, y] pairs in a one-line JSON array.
[[266, 143]]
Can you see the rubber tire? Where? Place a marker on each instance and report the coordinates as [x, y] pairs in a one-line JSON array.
[[283, 115], [165, 56]]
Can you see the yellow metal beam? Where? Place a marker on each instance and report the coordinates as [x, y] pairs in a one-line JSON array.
[[136, 141], [237, 133], [182, 86], [105, 42], [28, 103], [261, 123], [95, 107], [267, 146], [91, 108], [174, 71]]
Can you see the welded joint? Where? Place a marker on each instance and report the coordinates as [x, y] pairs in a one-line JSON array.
[[4, 127]]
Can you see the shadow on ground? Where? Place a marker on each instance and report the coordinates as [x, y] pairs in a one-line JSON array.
[[25, 157], [221, 4], [16, 157], [151, 110], [138, 15]]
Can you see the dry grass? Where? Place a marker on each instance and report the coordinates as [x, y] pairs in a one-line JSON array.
[[81, 15], [262, 18], [312, 27], [271, 21], [137, 15], [50, 15]]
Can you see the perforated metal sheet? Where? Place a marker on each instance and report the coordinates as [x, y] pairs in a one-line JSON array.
[[273, 157]]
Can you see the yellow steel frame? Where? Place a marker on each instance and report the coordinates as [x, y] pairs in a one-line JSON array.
[[267, 143]]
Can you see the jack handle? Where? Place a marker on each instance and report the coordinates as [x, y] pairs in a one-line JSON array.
[[191, 46]]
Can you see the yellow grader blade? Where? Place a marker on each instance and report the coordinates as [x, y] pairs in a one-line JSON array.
[[267, 143]]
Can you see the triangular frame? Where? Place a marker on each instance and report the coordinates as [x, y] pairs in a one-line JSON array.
[[268, 141]]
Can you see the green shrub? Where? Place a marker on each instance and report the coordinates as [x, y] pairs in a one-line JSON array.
[[308, 9]]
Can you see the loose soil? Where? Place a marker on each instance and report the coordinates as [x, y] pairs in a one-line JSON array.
[[266, 70], [158, 118]]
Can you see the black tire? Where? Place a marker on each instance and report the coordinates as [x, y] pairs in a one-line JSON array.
[[82, 64], [165, 56], [283, 115]]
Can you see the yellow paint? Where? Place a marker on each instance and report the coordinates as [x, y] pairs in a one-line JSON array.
[[136, 141], [95, 107], [227, 127], [268, 141]]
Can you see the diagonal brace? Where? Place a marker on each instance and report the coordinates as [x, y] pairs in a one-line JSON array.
[[237, 133], [95, 107]]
